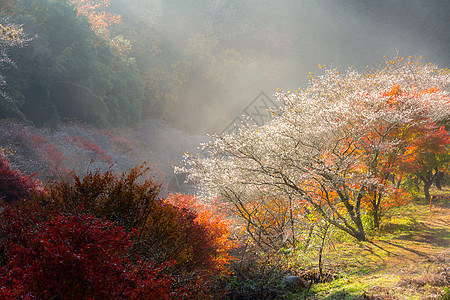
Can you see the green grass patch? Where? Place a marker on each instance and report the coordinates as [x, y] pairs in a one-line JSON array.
[[399, 223], [351, 287]]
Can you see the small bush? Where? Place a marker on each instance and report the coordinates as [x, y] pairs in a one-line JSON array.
[[254, 276], [15, 185]]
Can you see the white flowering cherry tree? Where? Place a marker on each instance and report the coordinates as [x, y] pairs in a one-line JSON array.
[[327, 148]]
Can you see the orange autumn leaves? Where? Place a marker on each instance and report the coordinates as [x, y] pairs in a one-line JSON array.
[[218, 227], [425, 149], [99, 19], [424, 146]]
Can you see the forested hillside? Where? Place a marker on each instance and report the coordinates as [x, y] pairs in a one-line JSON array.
[[66, 71]]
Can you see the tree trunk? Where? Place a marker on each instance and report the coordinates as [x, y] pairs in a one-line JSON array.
[[427, 182], [376, 219], [324, 236], [376, 215], [360, 235], [439, 180], [308, 239], [426, 191], [355, 214], [291, 218]]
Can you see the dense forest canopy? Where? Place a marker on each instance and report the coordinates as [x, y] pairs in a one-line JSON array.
[[196, 64]]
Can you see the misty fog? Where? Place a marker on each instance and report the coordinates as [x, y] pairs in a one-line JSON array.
[[248, 47]]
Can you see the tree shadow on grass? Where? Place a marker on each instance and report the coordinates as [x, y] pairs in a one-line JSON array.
[[423, 233], [417, 252], [420, 233], [381, 248]]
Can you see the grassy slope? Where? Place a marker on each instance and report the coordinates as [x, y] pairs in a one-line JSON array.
[[408, 259]]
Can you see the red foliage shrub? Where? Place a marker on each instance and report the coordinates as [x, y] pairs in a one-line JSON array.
[[190, 234], [15, 185], [203, 235], [216, 241], [51, 255], [82, 143], [53, 155]]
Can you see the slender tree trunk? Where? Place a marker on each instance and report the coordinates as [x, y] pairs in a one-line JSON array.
[[427, 183], [324, 236], [376, 211], [308, 239], [376, 219], [438, 180], [426, 191], [291, 219]]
